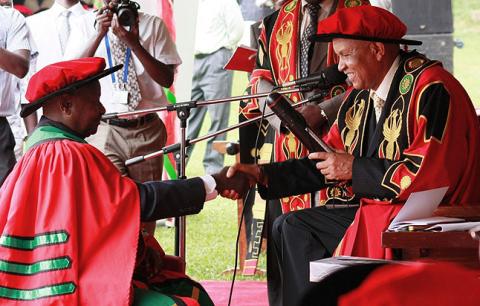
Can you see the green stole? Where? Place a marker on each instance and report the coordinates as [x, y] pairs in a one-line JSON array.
[[49, 132]]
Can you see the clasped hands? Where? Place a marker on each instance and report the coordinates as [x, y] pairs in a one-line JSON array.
[[239, 177]]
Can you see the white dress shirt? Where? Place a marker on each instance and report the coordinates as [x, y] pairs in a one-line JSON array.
[[43, 27], [384, 87], [154, 37], [382, 91], [219, 25], [323, 13], [13, 37], [210, 187]]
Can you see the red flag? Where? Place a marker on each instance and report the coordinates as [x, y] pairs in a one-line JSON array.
[[165, 11]]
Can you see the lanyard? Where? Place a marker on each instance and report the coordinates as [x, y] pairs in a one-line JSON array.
[[110, 62]]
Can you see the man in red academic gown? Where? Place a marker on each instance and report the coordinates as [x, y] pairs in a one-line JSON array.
[[69, 222], [406, 125]]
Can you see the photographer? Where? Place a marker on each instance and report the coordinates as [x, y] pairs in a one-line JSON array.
[[149, 56]]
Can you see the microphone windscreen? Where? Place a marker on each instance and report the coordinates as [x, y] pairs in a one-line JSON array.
[[333, 76]]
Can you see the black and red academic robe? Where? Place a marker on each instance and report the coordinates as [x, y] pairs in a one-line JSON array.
[[277, 62], [427, 137]]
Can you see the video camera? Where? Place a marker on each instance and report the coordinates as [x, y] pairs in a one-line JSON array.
[[127, 11]]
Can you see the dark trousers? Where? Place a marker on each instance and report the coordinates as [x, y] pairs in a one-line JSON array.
[[300, 237], [7, 146]]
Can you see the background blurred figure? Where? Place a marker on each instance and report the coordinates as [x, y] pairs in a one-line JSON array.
[[219, 29], [253, 12], [14, 62], [50, 29], [17, 124]]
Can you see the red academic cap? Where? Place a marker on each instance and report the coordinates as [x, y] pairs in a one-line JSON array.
[[59, 78], [364, 22]]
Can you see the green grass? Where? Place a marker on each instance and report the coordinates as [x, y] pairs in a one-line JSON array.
[[466, 20], [211, 234]]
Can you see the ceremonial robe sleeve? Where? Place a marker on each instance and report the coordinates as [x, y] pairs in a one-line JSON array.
[[297, 176], [291, 177], [423, 161], [164, 199]]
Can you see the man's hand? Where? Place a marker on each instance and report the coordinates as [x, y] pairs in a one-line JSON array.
[[130, 38], [334, 166], [253, 172], [315, 118], [233, 186], [104, 21]]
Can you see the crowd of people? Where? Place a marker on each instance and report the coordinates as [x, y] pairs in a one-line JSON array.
[[76, 223]]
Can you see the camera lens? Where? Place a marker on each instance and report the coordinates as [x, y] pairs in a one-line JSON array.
[[126, 16]]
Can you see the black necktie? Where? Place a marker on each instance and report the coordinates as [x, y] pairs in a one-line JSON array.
[[310, 29]]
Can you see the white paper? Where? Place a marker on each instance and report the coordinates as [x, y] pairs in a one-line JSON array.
[[419, 205], [320, 269], [450, 227], [425, 221]]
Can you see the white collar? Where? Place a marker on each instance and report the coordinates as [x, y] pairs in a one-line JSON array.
[[76, 9], [384, 88]]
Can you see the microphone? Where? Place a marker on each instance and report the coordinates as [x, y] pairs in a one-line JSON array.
[[295, 122], [323, 79]]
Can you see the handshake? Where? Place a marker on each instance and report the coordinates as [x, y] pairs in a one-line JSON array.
[[233, 182]]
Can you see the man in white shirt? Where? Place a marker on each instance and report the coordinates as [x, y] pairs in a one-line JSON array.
[[219, 29], [150, 57], [50, 30], [14, 62]]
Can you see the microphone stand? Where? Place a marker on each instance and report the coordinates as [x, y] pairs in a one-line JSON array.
[[192, 104], [183, 112], [177, 146]]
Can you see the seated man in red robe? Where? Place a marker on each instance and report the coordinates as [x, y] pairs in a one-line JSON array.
[[407, 125], [69, 222]]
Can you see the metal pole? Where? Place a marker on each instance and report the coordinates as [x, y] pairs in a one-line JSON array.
[[191, 104]]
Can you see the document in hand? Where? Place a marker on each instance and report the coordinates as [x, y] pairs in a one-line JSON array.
[[419, 208], [243, 59]]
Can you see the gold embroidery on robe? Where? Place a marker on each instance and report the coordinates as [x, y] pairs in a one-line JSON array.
[[352, 123], [283, 52], [405, 182], [292, 147], [392, 128], [263, 153]]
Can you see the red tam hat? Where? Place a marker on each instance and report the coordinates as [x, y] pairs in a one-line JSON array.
[[364, 22], [63, 77]]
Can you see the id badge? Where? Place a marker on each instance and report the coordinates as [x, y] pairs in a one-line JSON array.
[[120, 97]]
